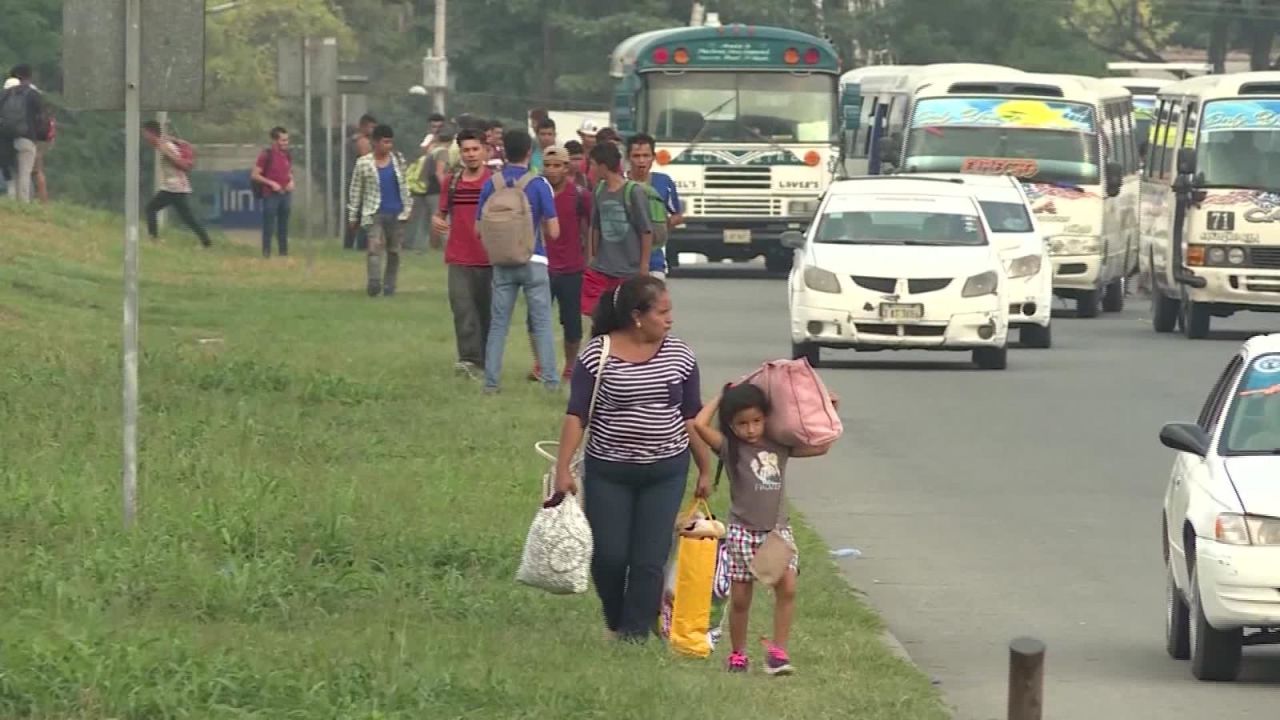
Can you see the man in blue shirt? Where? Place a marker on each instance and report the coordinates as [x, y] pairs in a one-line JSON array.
[[532, 277], [640, 153]]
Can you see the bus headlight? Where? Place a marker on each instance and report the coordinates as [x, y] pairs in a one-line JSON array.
[[821, 280], [1215, 256], [1024, 266], [802, 208], [1235, 256], [1075, 245]]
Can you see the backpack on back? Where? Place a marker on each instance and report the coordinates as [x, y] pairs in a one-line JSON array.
[[15, 120], [187, 152], [657, 214], [414, 176], [506, 224]]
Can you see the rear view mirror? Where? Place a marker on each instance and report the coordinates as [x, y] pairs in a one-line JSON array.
[[1186, 161], [1185, 437], [792, 239]]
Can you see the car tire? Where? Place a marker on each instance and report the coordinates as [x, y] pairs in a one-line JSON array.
[[806, 351], [1113, 297], [1036, 336], [1195, 320], [991, 358], [1087, 304], [1177, 619], [1215, 654], [1164, 311]]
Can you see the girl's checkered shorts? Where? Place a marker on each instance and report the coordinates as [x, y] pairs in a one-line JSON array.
[[741, 544]]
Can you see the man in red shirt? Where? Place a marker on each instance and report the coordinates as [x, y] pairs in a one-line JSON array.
[[566, 258], [470, 274], [273, 173]]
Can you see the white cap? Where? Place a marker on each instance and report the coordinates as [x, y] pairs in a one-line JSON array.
[[588, 128], [13, 82]]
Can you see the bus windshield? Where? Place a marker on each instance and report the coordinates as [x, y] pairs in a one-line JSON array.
[[1049, 141], [754, 107], [1240, 144], [1144, 113]]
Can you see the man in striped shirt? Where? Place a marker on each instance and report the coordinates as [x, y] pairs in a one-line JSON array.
[[470, 274]]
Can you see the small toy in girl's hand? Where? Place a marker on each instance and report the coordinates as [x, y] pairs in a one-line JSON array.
[[698, 526]]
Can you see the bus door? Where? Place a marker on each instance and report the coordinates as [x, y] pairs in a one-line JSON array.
[[879, 128]]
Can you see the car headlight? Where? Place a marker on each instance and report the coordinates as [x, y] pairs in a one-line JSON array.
[[821, 280], [802, 208], [1024, 266], [980, 284], [1236, 529], [1075, 245]]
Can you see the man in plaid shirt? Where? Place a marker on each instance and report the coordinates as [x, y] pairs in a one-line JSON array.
[[379, 202]]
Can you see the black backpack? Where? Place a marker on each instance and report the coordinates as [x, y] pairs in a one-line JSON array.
[[15, 112]]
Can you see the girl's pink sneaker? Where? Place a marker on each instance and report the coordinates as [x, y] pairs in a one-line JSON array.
[[737, 662]]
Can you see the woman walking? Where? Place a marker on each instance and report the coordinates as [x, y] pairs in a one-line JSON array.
[[637, 453]]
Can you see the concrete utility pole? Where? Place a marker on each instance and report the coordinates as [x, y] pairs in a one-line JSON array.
[[438, 50]]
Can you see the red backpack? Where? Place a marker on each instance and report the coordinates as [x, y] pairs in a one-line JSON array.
[[187, 152]]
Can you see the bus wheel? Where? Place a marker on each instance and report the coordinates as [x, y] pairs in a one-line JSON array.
[[778, 261], [1164, 310], [1087, 303], [1113, 296], [1195, 320]]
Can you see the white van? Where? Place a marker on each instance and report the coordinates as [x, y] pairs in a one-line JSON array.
[[1017, 234], [1070, 140], [893, 263]]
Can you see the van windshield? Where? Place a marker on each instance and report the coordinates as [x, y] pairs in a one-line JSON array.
[[1240, 144], [1035, 140]]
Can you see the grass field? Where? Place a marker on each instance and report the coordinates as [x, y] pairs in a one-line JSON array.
[[329, 519]]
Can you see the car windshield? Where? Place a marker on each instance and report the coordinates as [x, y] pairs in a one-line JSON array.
[[899, 227], [1253, 423], [1006, 217]]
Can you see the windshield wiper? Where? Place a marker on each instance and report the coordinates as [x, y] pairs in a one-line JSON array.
[[706, 121]]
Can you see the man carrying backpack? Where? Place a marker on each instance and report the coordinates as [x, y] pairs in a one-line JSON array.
[[23, 123], [272, 178], [515, 212], [379, 203], [175, 182], [664, 200], [621, 231]]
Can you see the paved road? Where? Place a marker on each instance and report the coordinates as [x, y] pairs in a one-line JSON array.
[[995, 504]]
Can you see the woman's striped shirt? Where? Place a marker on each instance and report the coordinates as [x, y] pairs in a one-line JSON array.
[[642, 408]]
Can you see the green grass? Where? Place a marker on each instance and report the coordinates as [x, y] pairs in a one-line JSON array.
[[329, 519]]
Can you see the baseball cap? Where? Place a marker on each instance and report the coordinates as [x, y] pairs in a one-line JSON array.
[[13, 82], [555, 152], [588, 128]]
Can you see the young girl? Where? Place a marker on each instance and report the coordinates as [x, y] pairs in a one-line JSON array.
[[756, 468]]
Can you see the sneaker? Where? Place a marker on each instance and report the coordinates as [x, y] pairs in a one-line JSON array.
[[467, 369], [534, 376], [776, 661], [737, 662]]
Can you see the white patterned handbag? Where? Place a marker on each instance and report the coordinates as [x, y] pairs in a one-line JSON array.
[[557, 550]]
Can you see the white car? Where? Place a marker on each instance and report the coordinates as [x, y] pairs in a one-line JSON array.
[[898, 263], [1022, 246], [1222, 518]]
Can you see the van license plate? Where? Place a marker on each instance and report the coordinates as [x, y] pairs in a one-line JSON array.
[[896, 311], [737, 237]]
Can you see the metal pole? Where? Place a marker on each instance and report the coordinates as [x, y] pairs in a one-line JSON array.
[[330, 205], [438, 49], [342, 171], [306, 103], [162, 117], [132, 178]]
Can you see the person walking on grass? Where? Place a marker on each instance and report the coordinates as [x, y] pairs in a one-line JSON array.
[[565, 256], [23, 124], [637, 453], [520, 204], [175, 183], [360, 144], [273, 173], [470, 276], [641, 153], [756, 467], [379, 203], [621, 235]]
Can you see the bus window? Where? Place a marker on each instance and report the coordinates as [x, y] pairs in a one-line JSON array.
[[1189, 134], [1170, 156], [1155, 147], [1130, 146]]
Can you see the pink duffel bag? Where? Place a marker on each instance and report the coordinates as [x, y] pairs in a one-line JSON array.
[[802, 412]]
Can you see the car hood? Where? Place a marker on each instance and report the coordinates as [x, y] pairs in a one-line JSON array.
[[1257, 481], [904, 261], [1014, 245]]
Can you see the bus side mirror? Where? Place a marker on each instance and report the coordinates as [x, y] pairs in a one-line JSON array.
[[1115, 174], [1186, 161]]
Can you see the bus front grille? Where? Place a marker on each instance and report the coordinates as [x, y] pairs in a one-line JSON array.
[[736, 206], [737, 177]]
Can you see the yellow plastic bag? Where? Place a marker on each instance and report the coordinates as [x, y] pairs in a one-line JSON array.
[[695, 575]]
